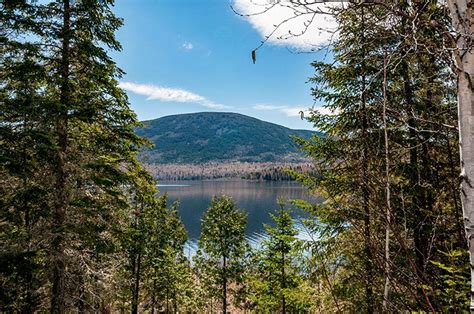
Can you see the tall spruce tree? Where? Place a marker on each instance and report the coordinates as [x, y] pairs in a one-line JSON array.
[[351, 159], [222, 248], [168, 270], [277, 273], [68, 149]]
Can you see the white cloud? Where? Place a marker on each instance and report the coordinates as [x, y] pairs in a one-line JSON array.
[[295, 111], [267, 107], [187, 45], [167, 94], [212, 105], [327, 111], [161, 93], [319, 27]]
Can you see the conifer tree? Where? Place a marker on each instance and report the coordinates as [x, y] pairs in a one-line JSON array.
[[350, 160], [168, 269], [222, 249], [72, 127], [277, 277]]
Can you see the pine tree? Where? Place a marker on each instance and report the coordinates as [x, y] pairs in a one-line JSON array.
[[351, 159], [168, 269], [222, 249], [74, 131], [277, 278]]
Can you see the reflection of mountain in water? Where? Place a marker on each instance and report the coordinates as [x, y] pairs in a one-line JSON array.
[[258, 199]]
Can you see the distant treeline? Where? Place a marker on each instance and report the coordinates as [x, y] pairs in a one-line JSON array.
[[265, 171]]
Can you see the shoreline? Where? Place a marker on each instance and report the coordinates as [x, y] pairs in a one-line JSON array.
[[262, 171]]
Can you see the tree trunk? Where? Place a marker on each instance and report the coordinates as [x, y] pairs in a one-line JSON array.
[[224, 286], [175, 303], [153, 297], [466, 133], [387, 192], [136, 286], [283, 283], [58, 296], [365, 184], [463, 23]]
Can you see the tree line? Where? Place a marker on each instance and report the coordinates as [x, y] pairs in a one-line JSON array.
[[261, 171]]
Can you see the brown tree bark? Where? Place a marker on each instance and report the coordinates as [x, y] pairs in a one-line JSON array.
[[58, 294]]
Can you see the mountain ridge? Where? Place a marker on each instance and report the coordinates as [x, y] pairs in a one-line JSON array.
[[219, 136]]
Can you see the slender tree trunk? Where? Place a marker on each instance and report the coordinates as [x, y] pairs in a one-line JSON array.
[[29, 303], [466, 129], [283, 283], [28, 307], [224, 285], [454, 192], [58, 259], [136, 286], [365, 184], [463, 22], [81, 306], [175, 303], [417, 203], [153, 297], [387, 192]]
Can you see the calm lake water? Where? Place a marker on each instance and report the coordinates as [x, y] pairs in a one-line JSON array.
[[258, 199]]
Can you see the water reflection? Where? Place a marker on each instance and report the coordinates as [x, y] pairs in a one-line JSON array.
[[258, 199]]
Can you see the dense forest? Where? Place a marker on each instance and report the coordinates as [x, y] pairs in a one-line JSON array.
[[259, 171], [82, 229], [204, 137]]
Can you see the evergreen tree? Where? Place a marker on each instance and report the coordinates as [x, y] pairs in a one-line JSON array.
[[278, 280], [169, 271], [153, 237], [222, 248], [351, 159], [68, 151]]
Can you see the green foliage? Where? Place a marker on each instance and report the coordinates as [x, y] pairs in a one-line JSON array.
[[212, 136], [351, 160], [81, 228], [452, 289], [276, 280], [222, 248], [68, 157]]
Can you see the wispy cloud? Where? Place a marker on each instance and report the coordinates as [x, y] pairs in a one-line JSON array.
[[187, 45], [293, 111], [302, 28], [296, 111], [212, 105], [267, 107], [166, 94]]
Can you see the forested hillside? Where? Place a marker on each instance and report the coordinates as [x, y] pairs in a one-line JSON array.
[[217, 136]]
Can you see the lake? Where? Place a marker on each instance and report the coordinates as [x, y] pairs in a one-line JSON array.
[[258, 199]]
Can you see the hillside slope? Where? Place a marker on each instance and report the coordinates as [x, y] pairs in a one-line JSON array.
[[217, 136]]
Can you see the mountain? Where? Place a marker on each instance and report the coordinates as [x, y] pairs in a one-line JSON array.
[[218, 136]]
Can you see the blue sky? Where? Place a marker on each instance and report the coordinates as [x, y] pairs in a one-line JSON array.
[[192, 56]]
